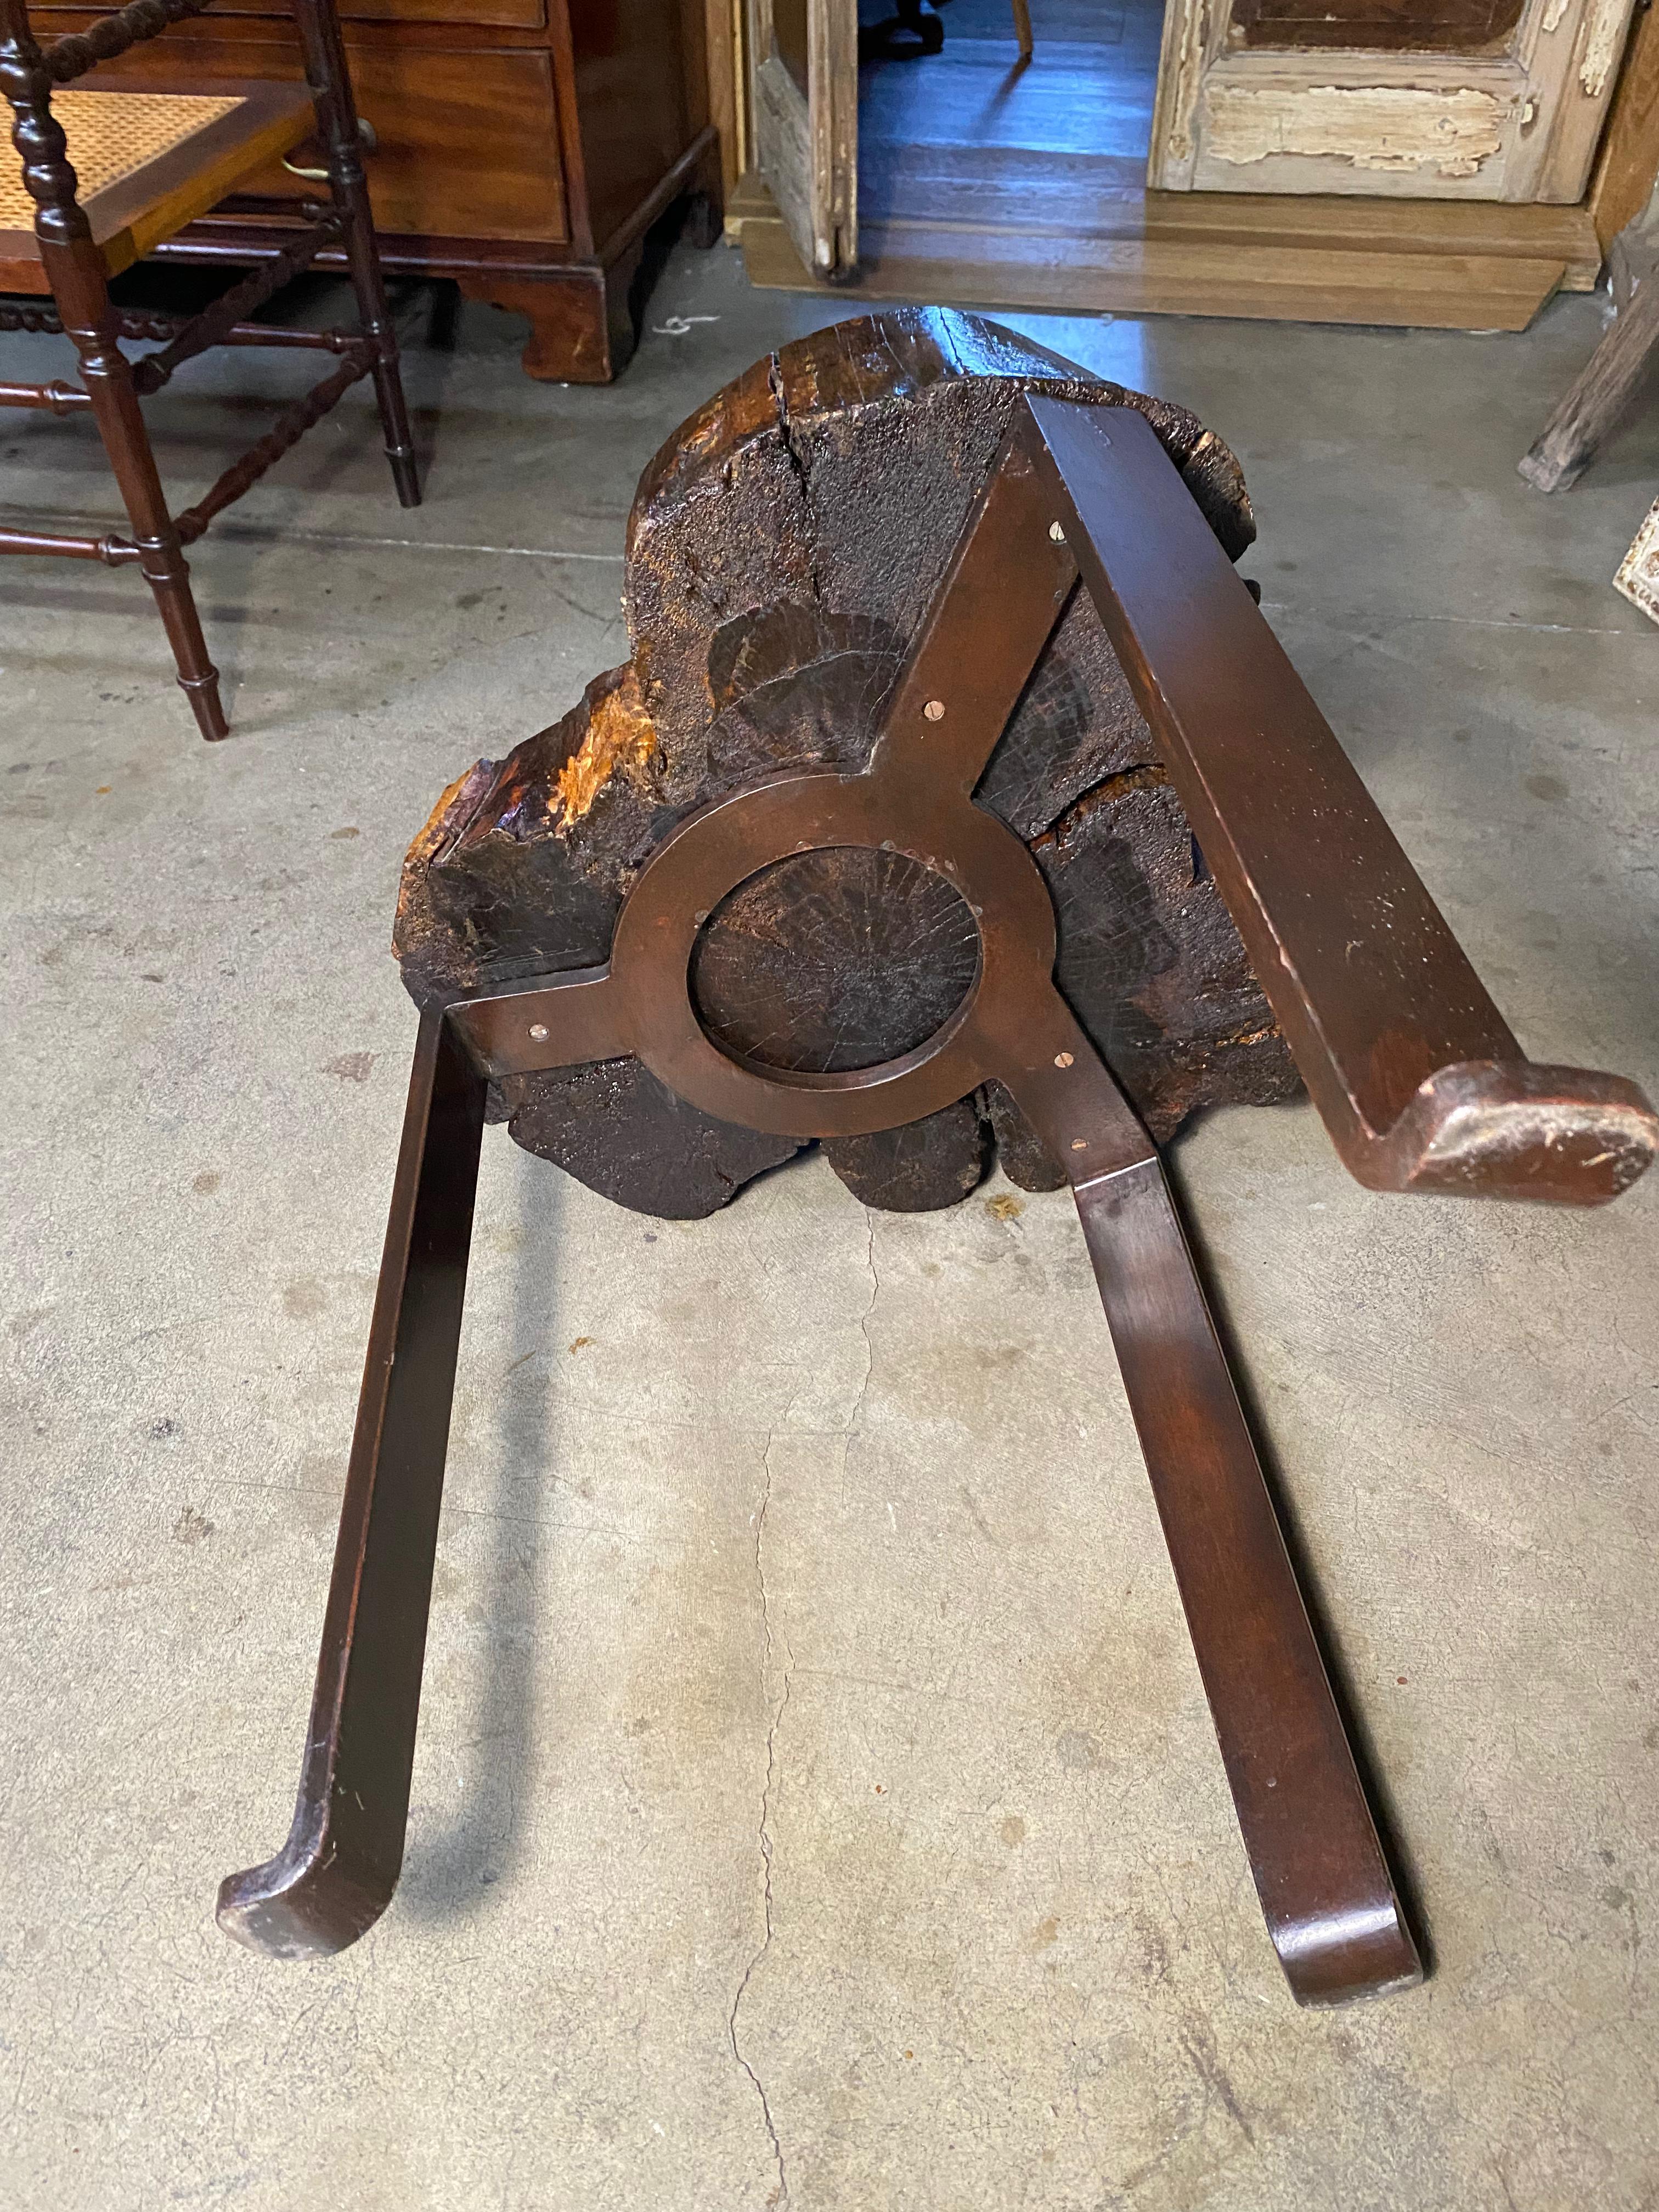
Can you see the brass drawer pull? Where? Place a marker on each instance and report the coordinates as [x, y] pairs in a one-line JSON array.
[[371, 145]]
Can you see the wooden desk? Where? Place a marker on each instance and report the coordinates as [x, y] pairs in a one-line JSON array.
[[524, 147]]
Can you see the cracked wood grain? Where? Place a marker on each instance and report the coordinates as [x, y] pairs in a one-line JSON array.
[[781, 551]]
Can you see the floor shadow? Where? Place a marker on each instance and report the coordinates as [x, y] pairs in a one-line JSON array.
[[451, 1869]]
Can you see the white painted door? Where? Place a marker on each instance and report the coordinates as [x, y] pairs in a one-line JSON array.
[[805, 94], [1485, 99]]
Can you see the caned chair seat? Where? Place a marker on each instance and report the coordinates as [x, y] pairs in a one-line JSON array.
[[149, 162]]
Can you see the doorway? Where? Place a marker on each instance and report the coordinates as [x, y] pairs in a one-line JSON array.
[[969, 178], [973, 139]]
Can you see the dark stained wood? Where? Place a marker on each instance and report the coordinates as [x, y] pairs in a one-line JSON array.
[[1149, 953], [430, 110], [633, 79], [523, 148], [1076, 490], [829, 961], [1026, 1160], [1416, 1074], [1430, 27], [616, 1128], [932, 1162], [767, 626]]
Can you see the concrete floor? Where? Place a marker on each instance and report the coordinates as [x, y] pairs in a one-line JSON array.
[[815, 1803]]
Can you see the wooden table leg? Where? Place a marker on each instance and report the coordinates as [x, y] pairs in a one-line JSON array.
[[1599, 396], [1313, 1847], [1329, 1902], [336, 1874]]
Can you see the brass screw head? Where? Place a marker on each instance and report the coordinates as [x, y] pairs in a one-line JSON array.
[[934, 710], [1057, 533], [1062, 1060], [538, 1030]]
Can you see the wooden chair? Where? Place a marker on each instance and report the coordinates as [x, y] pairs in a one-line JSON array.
[[916, 30], [106, 176]]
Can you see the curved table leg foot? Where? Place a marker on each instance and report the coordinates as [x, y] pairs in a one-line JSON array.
[[307, 1902], [336, 1874], [1313, 1847], [1325, 1888]]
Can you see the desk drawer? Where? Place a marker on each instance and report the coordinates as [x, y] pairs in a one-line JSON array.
[[468, 142], [512, 14]]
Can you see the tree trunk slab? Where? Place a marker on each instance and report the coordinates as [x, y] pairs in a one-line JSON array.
[[783, 547]]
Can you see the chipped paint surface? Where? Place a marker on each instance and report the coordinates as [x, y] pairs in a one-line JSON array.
[[1189, 70], [1392, 127], [1604, 42], [1639, 572], [621, 736], [1553, 15]]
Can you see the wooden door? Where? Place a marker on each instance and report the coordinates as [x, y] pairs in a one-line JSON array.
[[805, 94], [1482, 100]]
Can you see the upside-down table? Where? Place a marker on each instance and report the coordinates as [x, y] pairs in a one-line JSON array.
[[771, 885]]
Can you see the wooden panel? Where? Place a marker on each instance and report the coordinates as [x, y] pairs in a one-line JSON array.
[[1573, 71], [629, 66], [469, 143], [524, 15], [1429, 229], [724, 49], [783, 145], [806, 140], [1363, 123], [1439, 27], [790, 39], [1629, 161], [1290, 104]]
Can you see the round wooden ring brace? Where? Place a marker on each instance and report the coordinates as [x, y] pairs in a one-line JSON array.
[[711, 854]]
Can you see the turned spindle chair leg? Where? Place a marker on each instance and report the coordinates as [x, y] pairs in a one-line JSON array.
[[336, 1874], [337, 116], [82, 295]]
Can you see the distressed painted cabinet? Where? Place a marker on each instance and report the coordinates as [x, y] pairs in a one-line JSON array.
[[1483, 100], [523, 146]]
